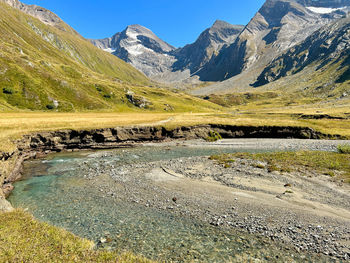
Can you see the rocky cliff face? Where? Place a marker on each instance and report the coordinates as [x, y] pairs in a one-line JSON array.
[[278, 26], [330, 44], [140, 47], [209, 43]]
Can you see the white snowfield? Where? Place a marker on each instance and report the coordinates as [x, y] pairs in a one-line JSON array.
[[133, 45], [137, 50], [132, 36], [324, 10], [110, 50]]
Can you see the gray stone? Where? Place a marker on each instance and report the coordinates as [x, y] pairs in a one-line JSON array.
[[5, 206]]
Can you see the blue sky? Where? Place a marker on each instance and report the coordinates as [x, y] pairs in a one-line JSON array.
[[178, 22]]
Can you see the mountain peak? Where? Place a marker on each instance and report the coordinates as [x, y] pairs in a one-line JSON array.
[[222, 32], [140, 47], [142, 35], [138, 27], [221, 23]]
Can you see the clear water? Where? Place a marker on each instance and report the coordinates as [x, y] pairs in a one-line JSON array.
[[56, 192]]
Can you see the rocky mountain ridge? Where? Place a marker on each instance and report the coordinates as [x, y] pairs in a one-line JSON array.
[[228, 52], [330, 44], [209, 43], [277, 27], [140, 47]]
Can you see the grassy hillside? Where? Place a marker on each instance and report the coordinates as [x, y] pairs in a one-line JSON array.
[[310, 91], [44, 68]]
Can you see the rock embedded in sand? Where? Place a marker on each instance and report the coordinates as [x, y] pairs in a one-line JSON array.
[[5, 206]]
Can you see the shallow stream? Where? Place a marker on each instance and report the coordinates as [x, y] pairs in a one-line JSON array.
[[54, 191]]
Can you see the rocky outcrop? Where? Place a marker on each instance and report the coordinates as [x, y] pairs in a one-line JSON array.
[[138, 101], [5, 206]]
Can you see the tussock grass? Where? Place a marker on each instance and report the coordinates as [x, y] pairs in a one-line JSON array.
[[23, 239], [213, 136], [344, 149]]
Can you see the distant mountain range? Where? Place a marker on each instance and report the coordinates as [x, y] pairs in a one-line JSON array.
[[278, 28], [235, 56], [141, 48]]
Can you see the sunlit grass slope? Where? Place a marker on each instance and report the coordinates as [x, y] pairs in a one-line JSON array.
[[44, 68]]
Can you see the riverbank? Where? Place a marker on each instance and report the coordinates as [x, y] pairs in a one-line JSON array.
[[40, 144]]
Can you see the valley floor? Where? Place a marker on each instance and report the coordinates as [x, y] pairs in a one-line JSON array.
[[14, 125], [309, 213]]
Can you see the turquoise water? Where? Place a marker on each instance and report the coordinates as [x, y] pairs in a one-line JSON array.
[[56, 191]]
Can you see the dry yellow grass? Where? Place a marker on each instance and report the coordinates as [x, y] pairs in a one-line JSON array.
[[15, 125], [341, 127], [24, 239]]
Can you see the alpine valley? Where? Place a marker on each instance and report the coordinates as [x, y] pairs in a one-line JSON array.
[[234, 148]]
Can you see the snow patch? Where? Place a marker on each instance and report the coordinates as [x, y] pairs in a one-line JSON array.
[[323, 10], [109, 50], [136, 50], [132, 35]]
